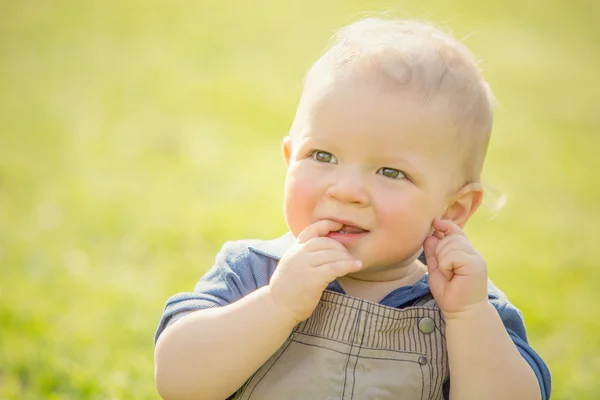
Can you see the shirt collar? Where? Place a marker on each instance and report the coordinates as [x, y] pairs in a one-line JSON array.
[[274, 248]]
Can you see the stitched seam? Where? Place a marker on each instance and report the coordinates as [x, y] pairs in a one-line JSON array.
[[362, 339], [347, 343], [422, 383], [382, 307], [394, 319], [349, 352], [274, 362]]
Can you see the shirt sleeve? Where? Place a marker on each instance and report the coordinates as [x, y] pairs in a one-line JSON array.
[[515, 326], [237, 272]]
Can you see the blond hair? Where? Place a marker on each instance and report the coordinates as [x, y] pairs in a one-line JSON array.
[[431, 65]]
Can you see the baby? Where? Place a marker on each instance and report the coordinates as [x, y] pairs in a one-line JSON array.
[[376, 292]]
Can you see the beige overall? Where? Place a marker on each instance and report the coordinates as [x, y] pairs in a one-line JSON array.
[[356, 349]]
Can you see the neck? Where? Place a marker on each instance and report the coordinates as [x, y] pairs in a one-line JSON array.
[[376, 286], [413, 271]]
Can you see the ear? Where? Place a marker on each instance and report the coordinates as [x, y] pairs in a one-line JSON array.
[[464, 203], [286, 149]]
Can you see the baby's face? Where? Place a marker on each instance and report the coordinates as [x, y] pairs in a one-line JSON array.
[[375, 161]]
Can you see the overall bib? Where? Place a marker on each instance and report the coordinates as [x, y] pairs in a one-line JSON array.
[[356, 349]]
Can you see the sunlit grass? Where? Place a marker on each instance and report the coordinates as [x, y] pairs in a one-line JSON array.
[[136, 137]]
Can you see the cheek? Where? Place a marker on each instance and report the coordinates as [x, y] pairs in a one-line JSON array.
[[300, 199], [406, 216]]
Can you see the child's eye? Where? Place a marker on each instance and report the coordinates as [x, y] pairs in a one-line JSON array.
[[323, 156], [391, 173]]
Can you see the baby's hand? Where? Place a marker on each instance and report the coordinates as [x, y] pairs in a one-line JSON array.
[[457, 272], [308, 267]]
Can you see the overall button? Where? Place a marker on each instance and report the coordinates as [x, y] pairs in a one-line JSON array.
[[426, 325]]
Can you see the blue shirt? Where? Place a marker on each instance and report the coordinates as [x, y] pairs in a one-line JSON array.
[[243, 266]]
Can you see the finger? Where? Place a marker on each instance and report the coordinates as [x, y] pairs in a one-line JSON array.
[[318, 229], [459, 263], [454, 243], [326, 256], [335, 269], [454, 263], [447, 227], [433, 262], [439, 234], [429, 247], [322, 243]]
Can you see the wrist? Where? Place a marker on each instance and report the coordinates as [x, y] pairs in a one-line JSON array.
[[282, 314], [472, 311]]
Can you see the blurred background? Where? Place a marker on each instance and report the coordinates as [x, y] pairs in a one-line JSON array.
[[137, 136]]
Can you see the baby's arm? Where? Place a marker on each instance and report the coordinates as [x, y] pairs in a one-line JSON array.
[[210, 353], [484, 361]]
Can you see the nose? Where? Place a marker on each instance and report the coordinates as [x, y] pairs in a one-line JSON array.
[[349, 187]]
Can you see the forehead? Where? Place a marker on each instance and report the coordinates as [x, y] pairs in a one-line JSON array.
[[363, 113]]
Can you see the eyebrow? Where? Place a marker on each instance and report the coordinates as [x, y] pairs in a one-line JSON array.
[[396, 158]]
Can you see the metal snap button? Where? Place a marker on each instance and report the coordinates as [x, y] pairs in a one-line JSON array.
[[422, 360], [426, 325]]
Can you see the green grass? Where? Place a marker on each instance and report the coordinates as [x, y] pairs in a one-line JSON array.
[[135, 137]]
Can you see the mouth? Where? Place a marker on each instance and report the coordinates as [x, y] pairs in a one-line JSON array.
[[351, 229], [348, 234]]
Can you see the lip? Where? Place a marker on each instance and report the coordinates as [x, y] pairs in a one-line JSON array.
[[347, 222], [346, 238]]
